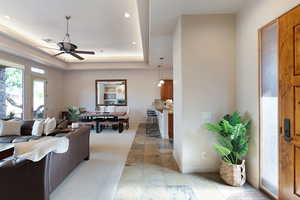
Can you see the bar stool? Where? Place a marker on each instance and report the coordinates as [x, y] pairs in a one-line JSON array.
[[152, 128]]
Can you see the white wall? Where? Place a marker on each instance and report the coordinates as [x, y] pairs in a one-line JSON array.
[[177, 82], [254, 15], [208, 85], [55, 86], [79, 88]]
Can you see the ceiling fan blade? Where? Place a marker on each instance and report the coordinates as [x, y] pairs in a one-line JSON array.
[[85, 52], [76, 56], [59, 53]]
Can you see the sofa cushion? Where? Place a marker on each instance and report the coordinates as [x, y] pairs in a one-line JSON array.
[[26, 128], [8, 139], [61, 134], [25, 139]]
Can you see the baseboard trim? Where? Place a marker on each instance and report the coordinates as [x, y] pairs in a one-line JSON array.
[[271, 196]]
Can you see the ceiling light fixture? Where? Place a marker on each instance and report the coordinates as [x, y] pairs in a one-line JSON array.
[[48, 40], [127, 15], [161, 81]]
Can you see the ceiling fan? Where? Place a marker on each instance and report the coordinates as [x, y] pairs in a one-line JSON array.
[[69, 48]]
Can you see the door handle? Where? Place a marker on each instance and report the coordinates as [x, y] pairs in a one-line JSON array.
[[287, 130]]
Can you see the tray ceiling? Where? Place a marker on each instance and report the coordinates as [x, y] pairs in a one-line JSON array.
[[97, 25]]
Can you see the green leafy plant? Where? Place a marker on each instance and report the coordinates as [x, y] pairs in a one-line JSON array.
[[233, 137], [73, 112], [11, 115]]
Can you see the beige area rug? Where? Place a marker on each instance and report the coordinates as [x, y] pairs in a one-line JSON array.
[[98, 178]]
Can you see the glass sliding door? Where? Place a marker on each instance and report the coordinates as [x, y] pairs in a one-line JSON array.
[[269, 130], [39, 97], [11, 92]]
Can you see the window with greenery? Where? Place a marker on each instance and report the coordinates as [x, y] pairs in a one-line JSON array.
[[11, 98]]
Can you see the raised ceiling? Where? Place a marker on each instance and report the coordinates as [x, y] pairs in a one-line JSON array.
[[97, 25], [100, 25], [164, 15]]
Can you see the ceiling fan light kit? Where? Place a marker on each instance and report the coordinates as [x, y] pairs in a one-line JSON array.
[[69, 48]]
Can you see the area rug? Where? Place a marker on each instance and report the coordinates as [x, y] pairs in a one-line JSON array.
[[98, 178]]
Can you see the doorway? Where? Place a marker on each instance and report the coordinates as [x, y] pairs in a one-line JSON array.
[[39, 96]]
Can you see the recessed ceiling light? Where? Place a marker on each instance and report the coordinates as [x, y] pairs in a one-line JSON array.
[[48, 40], [133, 43], [127, 15], [7, 17]]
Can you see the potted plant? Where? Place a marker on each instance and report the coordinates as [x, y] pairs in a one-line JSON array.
[[233, 146], [74, 114]]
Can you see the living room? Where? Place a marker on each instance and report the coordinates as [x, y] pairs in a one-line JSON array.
[[119, 99]]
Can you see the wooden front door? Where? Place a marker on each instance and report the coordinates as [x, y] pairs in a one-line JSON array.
[[289, 90]]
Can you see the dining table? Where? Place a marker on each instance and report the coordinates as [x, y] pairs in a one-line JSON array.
[[103, 119]]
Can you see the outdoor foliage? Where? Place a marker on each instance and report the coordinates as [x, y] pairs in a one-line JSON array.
[[233, 138], [13, 78], [13, 96]]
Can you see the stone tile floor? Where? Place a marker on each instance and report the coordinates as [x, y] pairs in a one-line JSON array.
[[151, 173]]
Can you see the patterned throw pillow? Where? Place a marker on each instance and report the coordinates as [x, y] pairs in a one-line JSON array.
[[12, 127]]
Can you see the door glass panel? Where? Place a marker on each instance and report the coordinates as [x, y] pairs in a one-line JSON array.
[[269, 109], [39, 99]]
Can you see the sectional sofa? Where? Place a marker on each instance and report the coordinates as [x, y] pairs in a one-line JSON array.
[[24, 179]]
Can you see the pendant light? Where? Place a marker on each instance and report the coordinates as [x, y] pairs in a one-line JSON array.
[[161, 81]]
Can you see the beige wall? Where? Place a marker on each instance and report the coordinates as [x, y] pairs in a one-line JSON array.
[[207, 85], [79, 88], [255, 14], [54, 77], [177, 74]]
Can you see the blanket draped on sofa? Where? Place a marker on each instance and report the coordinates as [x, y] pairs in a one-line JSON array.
[[36, 150]]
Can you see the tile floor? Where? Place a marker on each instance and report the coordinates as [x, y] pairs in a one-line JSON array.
[[151, 173]]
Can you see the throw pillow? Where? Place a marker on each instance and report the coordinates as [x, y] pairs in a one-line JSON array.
[[49, 126], [12, 127], [46, 120], [38, 128], [63, 124]]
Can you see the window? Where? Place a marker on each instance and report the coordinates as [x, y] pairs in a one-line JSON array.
[[37, 70], [11, 92], [39, 97], [269, 109]]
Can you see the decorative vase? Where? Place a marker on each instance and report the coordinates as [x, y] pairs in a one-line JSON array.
[[234, 175], [75, 125]]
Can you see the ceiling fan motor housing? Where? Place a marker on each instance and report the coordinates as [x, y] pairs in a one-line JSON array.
[[67, 47]]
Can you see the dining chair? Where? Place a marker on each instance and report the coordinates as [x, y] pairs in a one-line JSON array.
[[125, 119]]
